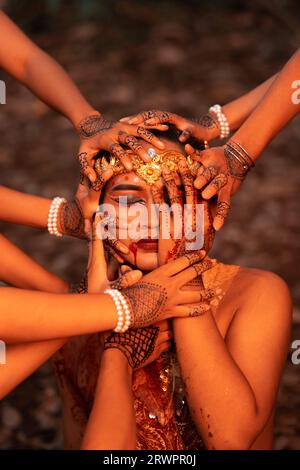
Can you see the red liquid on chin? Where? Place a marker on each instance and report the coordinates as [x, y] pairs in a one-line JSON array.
[[133, 248]]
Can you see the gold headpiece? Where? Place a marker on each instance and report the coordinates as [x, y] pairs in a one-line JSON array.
[[150, 172]]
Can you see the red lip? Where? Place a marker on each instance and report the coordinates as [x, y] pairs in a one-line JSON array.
[[148, 244]]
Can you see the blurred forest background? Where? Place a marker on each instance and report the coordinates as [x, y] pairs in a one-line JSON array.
[[128, 55]]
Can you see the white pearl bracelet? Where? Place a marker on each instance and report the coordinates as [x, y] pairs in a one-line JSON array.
[[123, 311], [222, 120], [52, 217]]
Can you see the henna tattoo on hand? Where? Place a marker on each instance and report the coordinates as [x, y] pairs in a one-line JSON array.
[[198, 310], [223, 209], [98, 184], [200, 268], [208, 173], [92, 125], [137, 345], [207, 121], [220, 181], [193, 257], [71, 220], [130, 141], [84, 164], [145, 134], [147, 302], [162, 116]]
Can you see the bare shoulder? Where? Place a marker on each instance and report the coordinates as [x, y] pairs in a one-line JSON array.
[[264, 292], [266, 282]]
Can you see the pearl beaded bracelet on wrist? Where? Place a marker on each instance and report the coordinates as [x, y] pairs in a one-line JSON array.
[[222, 120], [52, 217], [123, 311]]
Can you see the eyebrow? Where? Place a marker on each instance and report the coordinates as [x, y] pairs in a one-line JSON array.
[[128, 187]]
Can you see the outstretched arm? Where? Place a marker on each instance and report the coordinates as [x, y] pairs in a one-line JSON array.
[[20, 270], [40, 73], [273, 112]]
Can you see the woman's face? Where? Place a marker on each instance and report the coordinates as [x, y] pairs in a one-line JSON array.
[[129, 197]]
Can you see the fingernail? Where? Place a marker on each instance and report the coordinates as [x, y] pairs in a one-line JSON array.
[[124, 249], [128, 166], [205, 194], [217, 225], [160, 144], [134, 275], [92, 178]]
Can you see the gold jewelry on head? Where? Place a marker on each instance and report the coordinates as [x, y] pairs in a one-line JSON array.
[[151, 171]]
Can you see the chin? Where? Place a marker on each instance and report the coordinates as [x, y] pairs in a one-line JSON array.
[[143, 260]]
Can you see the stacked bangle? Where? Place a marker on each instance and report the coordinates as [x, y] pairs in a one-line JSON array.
[[123, 311], [52, 217], [222, 120], [234, 150]]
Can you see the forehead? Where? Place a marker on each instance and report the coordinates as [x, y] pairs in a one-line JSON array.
[[129, 178]]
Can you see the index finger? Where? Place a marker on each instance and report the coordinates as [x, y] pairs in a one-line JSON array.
[[86, 168], [176, 266]]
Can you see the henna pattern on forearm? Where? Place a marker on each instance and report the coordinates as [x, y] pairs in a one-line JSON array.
[[136, 344], [71, 220], [147, 301], [92, 125]]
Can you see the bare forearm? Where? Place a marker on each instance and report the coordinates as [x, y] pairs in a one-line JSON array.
[[37, 316], [238, 111], [23, 209], [49, 81], [112, 421], [220, 398], [19, 270], [25, 61], [273, 112], [22, 360]]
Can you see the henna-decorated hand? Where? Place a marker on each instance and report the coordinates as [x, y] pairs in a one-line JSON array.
[[141, 346], [75, 217], [204, 128], [155, 296], [96, 133], [98, 270], [220, 174]]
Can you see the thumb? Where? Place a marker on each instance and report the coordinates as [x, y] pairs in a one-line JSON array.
[[130, 278]]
